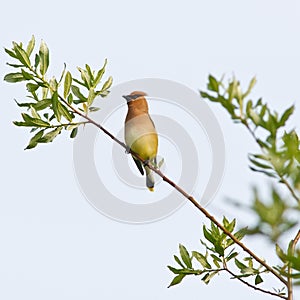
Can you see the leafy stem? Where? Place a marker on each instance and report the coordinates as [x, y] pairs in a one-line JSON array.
[[234, 276]]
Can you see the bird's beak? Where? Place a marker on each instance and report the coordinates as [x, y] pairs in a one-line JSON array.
[[128, 98]]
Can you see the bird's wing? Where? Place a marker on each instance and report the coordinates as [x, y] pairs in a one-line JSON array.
[[152, 123], [139, 165]]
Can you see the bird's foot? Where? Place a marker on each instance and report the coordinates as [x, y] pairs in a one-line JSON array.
[[146, 162], [127, 150]]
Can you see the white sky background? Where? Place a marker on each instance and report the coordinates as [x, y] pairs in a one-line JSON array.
[[54, 245]]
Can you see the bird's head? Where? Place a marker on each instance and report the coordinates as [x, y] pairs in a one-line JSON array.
[[134, 96]]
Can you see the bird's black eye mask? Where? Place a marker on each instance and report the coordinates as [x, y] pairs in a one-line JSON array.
[[132, 97]]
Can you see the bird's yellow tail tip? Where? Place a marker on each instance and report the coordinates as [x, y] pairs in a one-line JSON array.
[[151, 189]]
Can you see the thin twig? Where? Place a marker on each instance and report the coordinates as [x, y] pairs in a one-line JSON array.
[[254, 286], [234, 276], [283, 180], [290, 279], [180, 190]]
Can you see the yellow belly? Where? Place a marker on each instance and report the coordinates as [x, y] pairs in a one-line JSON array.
[[141, 137], [146, 146]]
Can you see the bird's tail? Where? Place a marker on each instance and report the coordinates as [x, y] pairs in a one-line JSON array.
[[149, 179]]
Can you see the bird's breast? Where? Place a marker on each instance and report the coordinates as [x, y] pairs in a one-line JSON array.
[[141, 136]]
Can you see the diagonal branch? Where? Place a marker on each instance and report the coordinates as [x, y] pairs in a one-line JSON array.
[[180, 190]]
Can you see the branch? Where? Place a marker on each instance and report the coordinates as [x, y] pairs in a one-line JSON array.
[[290, 279], [253, 286], [180, 190]]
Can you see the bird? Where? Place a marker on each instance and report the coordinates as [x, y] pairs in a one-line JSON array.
[[140, 134]]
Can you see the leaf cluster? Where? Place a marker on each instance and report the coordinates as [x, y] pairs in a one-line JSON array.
[[219, 255], [280, 151], [50, 111], [289, 259], [274, 215]]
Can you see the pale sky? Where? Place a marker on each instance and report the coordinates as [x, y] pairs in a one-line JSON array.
[[54, 245]]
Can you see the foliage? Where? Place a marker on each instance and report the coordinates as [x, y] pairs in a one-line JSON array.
[[279, 159], [48, 111]]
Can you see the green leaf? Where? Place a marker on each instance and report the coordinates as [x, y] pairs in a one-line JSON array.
[[34, 122], [217, 264], [240, 265], [27, 75], [85, 77], [90, 73], [22, 55], [205, 95], [231, 256], [70, 99], [258, 164], [14, 77], [241, 233], [44, 58], [102, 93], [55, 108], [10, 53], [32, 87], [91, 97], [36, 60], [250, 87], [53, 84], [213, 84], [185, 256], [94, 109], [281, 254], [177, 280], [15, 65], [34, 141], [27, 104], [215, 257], [286, 115], [65, 112], [30, 46], [202, 259], [67, 84], [62, 74], [174, 270], [74, 133], [34, 113], [79, 82], [227, 225], [77, 93], [178, 261], [208, 236], [23, 124], [50, 136], [208, 276], [269, 174], [258, 279], [100, 74], [42, 104], [107, 84]]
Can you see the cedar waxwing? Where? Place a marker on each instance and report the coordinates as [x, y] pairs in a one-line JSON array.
[[140, 134]]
